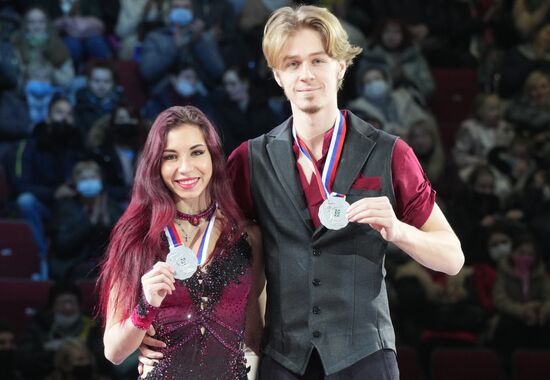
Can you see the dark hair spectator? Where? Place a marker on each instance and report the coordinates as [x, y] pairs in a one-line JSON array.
[[243, 114], [392, 49]]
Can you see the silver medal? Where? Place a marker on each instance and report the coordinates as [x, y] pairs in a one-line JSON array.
[[183, 260], [332, 212]]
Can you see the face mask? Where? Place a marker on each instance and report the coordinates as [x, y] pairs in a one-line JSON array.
[[37, 39], [89, 187], [64, 321], [38, 88], [523, 263], [498, 251], [181, 16], [184, 88], [124, 131], [82, 372], [376, 89], [61, 129]]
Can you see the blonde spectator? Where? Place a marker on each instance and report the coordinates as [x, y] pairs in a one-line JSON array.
[[38, 42]]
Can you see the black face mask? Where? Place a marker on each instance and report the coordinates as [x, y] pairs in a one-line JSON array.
[[61, 129], [124, 131], [82, 372], [7, 360]]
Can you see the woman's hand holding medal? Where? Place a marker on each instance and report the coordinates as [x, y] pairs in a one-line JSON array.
[[158, 283], [378, 213]]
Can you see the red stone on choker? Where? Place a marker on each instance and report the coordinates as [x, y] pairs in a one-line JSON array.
[[195, 219]]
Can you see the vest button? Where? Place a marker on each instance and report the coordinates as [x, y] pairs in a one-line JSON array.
[[316, 310], [316, 334], [316, 252], [316, 282]]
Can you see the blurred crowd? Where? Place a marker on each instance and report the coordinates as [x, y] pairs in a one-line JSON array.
[[82, 80]]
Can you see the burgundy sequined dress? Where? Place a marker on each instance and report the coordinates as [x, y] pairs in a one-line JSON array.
[[202, 322]]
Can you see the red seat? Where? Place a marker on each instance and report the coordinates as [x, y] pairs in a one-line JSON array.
[[88, 296], [531, 364], [460, 364], [452, 103], [409, 364], [18, 251], [129, 77], [21, 299]]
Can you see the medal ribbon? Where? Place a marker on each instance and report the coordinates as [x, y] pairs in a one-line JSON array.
[[326, 180], [175, 241]]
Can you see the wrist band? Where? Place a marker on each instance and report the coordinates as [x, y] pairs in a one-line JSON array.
[[143, 314]]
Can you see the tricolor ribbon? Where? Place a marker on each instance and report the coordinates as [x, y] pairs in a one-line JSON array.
[[175, 241], [326, 180]]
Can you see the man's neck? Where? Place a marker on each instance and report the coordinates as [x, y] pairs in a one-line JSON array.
[[311, 128]]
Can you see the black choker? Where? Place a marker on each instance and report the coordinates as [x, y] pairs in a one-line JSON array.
[[195, 219]]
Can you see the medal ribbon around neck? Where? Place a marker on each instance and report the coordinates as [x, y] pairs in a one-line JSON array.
[[326, 180], [175, 240]]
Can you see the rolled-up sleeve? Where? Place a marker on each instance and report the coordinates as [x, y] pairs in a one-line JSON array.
[[414, 194]]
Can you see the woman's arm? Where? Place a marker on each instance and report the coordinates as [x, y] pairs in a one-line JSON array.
[[123, 336], [256, 298]]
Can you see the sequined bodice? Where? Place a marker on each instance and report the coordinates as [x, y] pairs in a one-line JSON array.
[[202, 322]]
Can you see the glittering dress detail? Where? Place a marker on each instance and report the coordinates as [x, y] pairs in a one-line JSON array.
[[202, 322]]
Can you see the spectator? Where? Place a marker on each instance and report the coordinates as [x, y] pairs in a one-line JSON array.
[[62, 319], [81, 25], [15, 121], [38, 42], [82, 224], [515, 164], [8, 350], [497, 244], [115, 142], [536, 206], [424, 139], [10, 70], [43, 165], [529, 15], [531, 111], [181, 88], [131, 14], [39, 90], [395, 109], [98, 98], [182, 39], [483, 208], [245, 116], [393, 50], [522, 298], [524, 59], [221, 22], [74, 361], [480, 133]]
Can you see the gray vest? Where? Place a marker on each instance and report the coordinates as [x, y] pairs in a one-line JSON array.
[[326, 288]]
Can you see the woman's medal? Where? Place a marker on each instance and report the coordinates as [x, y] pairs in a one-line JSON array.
[[332, 213], [184, 261]]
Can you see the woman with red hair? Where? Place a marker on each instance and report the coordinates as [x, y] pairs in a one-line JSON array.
[[181, 260]]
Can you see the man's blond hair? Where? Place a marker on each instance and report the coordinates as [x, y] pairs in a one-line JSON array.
[[286, 21]]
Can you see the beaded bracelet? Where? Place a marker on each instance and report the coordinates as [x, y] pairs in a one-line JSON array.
[[143, 314]]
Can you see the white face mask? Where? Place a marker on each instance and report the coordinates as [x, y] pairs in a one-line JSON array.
[[499, 251]]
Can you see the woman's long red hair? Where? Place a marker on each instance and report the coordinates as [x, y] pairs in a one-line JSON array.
[[136, 238]]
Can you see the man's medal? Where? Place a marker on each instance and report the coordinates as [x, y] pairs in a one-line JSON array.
[[184, 261], [332, 212]]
